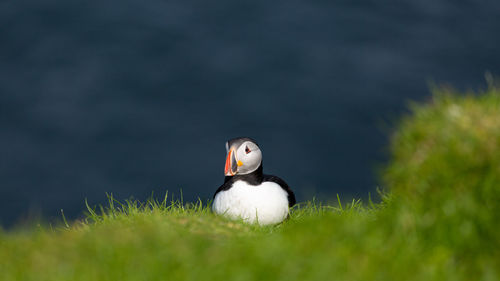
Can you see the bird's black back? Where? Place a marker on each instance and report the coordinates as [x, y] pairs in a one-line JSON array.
[[284, 185]]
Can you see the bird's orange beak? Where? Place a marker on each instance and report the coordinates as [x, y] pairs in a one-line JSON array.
[[231, 167]]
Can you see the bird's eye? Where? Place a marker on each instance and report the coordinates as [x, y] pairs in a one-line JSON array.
[[247, 150]]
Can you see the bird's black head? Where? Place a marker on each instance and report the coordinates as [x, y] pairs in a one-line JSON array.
[[243, 156]]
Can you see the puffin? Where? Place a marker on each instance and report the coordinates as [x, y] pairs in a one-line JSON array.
[[247, 193]]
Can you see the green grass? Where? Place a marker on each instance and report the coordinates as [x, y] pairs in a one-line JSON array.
[[438, 220]]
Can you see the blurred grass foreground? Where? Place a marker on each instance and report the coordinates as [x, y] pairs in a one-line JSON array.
[[438, 220]]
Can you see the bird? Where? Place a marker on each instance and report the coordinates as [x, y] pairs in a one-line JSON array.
[[247, 193]]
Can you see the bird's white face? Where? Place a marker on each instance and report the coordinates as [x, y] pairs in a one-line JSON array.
[[242, 158]]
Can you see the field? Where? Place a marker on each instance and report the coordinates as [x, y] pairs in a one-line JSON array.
[[438, 220]]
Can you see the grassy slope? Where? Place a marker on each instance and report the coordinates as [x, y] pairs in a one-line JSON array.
[[439, 222]]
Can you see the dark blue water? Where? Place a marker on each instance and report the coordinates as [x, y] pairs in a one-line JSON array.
[[129, 97]]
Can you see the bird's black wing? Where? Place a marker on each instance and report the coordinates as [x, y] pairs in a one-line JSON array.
[[282, 183], [225, 186]]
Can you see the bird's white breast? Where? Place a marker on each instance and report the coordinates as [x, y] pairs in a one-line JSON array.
[[266, 203]]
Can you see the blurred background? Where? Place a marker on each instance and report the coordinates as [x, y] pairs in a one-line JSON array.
[[131, 97]]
